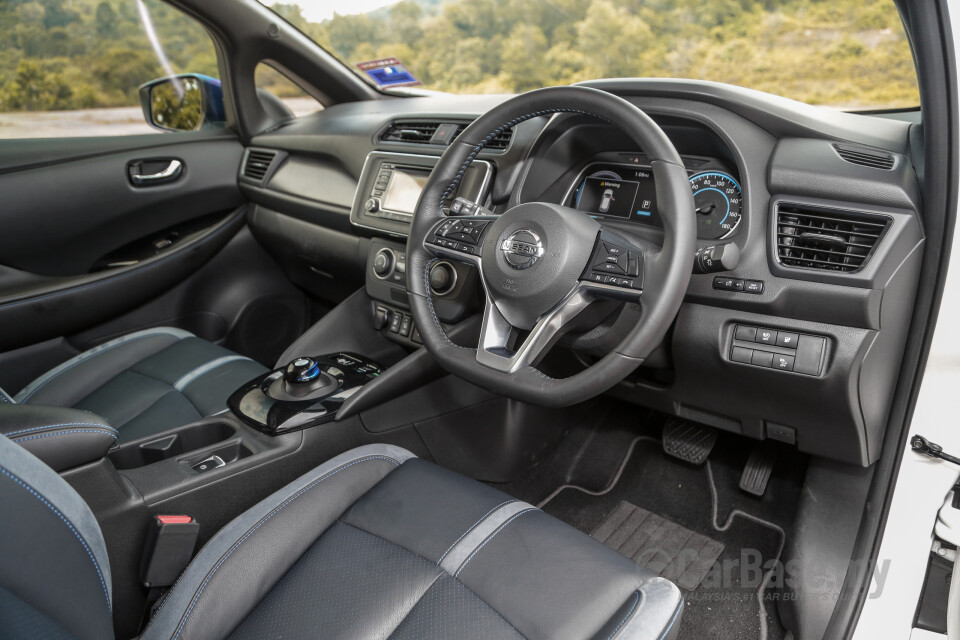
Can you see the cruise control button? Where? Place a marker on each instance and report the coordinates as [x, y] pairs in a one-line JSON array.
[[613, 249], [784, 363], [766, 336], [787, 339], [609, 267]]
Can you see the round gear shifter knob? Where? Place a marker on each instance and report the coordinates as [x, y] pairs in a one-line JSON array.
[[301, 370]]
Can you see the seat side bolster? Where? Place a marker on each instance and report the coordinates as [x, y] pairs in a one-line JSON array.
[[654, 616], [268, 539]]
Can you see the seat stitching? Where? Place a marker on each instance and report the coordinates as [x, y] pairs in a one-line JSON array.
[[263, 521], [491, 537], [196, 373], [79, 362], [673, 620], [636, 601], [63, 424], [65, 433], [70, 526], [472, 527]]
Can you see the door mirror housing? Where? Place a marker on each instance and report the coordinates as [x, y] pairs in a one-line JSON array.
[[184, 102]]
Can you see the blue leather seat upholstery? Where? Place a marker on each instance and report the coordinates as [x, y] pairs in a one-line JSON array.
[[145, 382]]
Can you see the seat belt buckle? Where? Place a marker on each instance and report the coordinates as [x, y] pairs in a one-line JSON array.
[[168, 549]]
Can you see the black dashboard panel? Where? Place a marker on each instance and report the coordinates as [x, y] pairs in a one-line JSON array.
[[801, 233]]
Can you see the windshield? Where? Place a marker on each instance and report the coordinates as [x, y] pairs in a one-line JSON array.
[[848, 54]]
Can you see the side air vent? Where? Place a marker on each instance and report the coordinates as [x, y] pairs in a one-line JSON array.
[[258, 163], [437, 133], [827, 239], [501, 140], [865, 157]]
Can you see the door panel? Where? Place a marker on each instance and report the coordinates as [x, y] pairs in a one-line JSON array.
[[82, 243], [61, 219]]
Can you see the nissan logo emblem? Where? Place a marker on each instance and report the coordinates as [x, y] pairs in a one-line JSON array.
[[522, 249]]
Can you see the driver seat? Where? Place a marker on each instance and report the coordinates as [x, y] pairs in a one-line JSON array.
[[374, 543]]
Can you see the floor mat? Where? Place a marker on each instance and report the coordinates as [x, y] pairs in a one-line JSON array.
[[729, 601], [662, 546]]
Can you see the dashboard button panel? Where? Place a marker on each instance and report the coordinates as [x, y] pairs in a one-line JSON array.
[[777, 349]]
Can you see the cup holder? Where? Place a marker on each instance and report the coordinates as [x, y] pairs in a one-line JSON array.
[[190, 439]]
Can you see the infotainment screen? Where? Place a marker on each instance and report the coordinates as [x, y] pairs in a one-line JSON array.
[[403, 189], [618, 191]]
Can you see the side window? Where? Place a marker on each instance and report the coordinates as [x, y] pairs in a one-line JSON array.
[[272, 80], [75, 67]]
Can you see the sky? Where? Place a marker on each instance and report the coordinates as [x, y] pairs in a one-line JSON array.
[[317, 10]]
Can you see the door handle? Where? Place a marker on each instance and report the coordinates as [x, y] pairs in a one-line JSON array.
[[168, 173]]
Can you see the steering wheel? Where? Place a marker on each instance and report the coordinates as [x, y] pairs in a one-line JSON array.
[[541, 263]]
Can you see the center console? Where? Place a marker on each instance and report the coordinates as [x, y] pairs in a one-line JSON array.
[[307, 392]]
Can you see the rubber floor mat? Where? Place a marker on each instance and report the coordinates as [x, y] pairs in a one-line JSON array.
[[659, 545]]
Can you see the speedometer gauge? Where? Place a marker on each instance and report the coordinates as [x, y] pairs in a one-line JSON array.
[[718, 202]]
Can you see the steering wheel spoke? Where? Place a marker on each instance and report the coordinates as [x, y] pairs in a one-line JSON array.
[[459, 238], [505, 348]]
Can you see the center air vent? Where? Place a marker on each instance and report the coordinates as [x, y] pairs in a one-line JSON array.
[[865, 157], [827, 239], [258, 163], [437, 133]]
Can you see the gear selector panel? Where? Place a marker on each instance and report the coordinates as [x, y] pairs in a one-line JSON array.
[[305, 393]]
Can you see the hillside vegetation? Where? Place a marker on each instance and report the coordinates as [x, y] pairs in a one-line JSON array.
[[59, 54]]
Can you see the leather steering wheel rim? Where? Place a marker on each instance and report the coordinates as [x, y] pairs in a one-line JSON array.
[[669, 267]]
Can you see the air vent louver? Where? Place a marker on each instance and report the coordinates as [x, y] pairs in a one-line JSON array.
[[826, 239], [437, 133], [413, 132], [258, 163], [865, 157]]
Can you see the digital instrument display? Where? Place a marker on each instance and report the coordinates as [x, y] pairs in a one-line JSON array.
[[403, 190], [618, 191]]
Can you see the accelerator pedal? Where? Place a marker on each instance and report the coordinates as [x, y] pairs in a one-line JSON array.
[[688, 441], [756, 474]]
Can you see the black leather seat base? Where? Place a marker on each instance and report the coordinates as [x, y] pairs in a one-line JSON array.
[[378, 544], [146, 382]]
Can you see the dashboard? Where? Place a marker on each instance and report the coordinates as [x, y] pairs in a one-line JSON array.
[[821, 207]]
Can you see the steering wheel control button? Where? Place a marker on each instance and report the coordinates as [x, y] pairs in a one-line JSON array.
[[613, 249], [522, 249], [744, 356], [787, 340]]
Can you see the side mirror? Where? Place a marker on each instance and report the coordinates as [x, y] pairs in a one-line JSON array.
[[185, 102]]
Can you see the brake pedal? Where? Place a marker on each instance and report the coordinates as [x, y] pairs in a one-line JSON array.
[[756, 474], [688, 441]]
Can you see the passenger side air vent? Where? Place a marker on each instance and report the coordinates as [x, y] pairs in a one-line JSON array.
[[828, 239], [258, 163], [437, 133], [865, 157]]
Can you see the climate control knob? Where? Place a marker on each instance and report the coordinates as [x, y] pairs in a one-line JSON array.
[[383, 262]]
